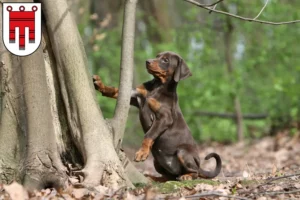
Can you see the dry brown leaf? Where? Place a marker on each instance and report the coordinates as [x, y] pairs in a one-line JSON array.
[[150, 194], [262, 198], [128, 196], [245, 174], [80, 192], [67, 196], [203, 187], [16, 191], [99, 196], [102, 189], [277, 188], [73, 180], [274, 170]]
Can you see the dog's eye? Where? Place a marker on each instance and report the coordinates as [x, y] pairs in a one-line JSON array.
[[165, 60]]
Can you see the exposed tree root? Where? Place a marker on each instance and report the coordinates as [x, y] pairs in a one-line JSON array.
[[43, 171]]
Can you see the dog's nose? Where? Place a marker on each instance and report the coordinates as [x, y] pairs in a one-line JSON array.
[[147, 62]]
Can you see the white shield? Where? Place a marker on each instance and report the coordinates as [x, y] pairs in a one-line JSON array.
[[21, 27]]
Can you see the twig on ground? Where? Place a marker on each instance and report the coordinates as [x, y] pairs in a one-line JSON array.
[[268, 182], [275, 193], [277, 178], [214, 193], [240, 17]]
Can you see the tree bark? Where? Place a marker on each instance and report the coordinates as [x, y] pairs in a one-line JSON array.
[[11, 149], [48, 106], [88, 127], [228, 58], [125, 86], [126, 75], [42, 163]]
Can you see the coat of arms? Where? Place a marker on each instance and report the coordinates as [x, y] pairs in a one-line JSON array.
[[21, 27]]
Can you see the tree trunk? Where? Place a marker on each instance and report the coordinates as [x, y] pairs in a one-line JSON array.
[[42, 162], [159, 11], [126, 75], [228, 58], [49, 115], [107, 11]]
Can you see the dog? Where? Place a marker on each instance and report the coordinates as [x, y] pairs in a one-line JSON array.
[[167, 135]]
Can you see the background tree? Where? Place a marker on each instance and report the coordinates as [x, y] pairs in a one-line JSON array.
[[263, 58]]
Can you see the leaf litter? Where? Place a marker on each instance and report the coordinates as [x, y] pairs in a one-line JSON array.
[[255, 170]]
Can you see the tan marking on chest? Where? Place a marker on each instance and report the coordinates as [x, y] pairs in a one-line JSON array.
[[154, 105]]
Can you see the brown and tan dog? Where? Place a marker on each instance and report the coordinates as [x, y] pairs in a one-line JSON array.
[[166, 133]]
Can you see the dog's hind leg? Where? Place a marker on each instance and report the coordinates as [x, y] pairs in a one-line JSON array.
[[188, 157], [188, 162], [166, 176]]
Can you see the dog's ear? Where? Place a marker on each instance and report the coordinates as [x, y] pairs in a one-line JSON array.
[[182, 71]]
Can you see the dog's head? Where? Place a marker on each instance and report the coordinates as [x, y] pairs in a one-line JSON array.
[[168, 66]]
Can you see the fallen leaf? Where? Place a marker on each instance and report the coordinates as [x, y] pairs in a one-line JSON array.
[[73, 180], [101, 189], [79, 193], [277, 188], [262, 198], [128, 196], [245, 174], [16, 191], [203, 187], [274, 170]]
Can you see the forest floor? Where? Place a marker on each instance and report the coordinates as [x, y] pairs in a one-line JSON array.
[[267, 168]]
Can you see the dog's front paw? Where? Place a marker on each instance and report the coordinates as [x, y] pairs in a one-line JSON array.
[[98, 83], [141, 155]]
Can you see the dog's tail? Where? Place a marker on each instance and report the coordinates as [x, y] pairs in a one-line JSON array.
[[210, 174]]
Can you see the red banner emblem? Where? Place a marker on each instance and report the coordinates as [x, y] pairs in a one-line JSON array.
[[21, 27]]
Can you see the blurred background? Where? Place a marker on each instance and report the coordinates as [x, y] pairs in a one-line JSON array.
[[246, 75]]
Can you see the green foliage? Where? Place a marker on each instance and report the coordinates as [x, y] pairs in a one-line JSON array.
[[265, 59]]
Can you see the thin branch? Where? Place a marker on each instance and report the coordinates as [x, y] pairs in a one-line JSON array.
[[240, 17], [213, 8], [250, 116], [261, 10], [213, 4]]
